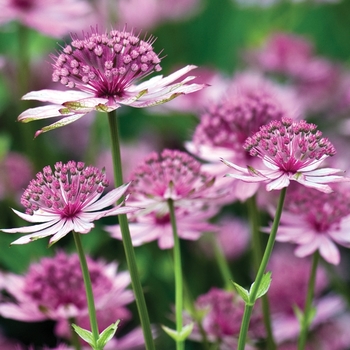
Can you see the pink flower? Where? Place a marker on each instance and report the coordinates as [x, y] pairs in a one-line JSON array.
[[65, 200], [154, 226], [251, 102], [103, 68], [50, 17], [54, 289], [291, 151], [314, 221], [171, 175]]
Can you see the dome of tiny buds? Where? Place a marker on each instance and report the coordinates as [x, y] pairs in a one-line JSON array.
[[64, 191], [229, 123], [105, 64], [289, 145], [322, 211], [172, 175], [58, 282]]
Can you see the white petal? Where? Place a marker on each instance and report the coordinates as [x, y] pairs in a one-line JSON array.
[[42, 112], [329, 251], [38, 216], [55, 96], [279, 183], [27, 229]]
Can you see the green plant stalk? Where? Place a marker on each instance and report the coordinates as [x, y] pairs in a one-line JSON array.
[[88, 287], [128, 247], [265, 259], [304, 324], [254, 219], [222, 264], [178, 275]]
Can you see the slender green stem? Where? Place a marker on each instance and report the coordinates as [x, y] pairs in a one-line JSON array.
[[307, 318], [265, 259], [88, 287], [254, 219], [178, 275], [128, 247], [222, 263]]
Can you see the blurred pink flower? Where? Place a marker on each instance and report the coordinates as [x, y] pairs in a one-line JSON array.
[[54, 289], [291, 151], [220, 315], [250, 102], [50, 17], [146, 228], [314, 221], [103, 68], [171, 175], [66, 199], [15, 172]]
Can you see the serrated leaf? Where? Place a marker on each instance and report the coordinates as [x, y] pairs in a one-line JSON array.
[[242, 292], [84, 334], [107, 334], [179, 336], [264, 285]]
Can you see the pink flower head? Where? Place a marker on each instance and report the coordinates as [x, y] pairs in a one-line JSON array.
[[251, 102], [66, 199], [50, 17], [103, 69], [54, 289], [314, 221], [156, 226], [222, 313], [171, 175], [291, 151]]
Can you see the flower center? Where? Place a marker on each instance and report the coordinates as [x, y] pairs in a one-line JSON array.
[[289, 145], [65, 191], [105, 64], [23, 4]]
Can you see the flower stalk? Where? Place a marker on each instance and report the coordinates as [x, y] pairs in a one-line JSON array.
[[127, 243], [253, 294]]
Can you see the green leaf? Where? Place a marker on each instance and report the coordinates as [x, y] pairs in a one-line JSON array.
[[264, 285], [107, 334], [242, 292], [298, 313], [84, 334], [182, 335]]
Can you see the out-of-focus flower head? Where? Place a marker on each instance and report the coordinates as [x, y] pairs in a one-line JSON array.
[[291, 151], [100, 71], [314, 221], [156, 226], [66, 199], [54, 289], [171, 175], [220, 313], [15, 172], [251, 102], [54, 18]]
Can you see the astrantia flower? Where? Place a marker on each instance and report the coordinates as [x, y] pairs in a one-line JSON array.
[[221, 315], [155, 226], [50, 17], [54, 289], [291, 151], [66, 199], [314, 221], [171, 175], [103, 68]]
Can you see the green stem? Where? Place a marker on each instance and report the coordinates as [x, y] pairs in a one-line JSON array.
[[178, 275], [222, 263], [307, 318], [88, 287], [128, 247], [254, 219], [265, 259]]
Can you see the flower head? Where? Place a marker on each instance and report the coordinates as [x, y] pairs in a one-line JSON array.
[[171, 175], [104, 68], [54, 289], [66, 199], [291, 151], [314, 221]]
